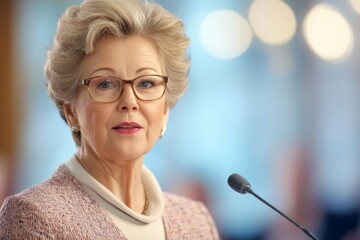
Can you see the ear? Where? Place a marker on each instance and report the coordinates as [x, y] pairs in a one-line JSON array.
[[166, 114], [70, 115]]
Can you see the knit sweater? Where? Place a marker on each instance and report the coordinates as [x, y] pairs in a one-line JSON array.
[[59, 208]]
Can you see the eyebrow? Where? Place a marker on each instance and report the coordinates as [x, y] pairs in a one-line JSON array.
[[114, 72], [102, 69], [146, 68]]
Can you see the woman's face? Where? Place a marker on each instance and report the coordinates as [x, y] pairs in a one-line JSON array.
[[127, 128]]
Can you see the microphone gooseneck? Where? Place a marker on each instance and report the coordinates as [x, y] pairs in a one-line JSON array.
[[241, 185]]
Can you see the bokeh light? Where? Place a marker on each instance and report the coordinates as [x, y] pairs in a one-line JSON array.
[[273, 21], [225, 34], [271, 113], [356, 5], [327, 33]]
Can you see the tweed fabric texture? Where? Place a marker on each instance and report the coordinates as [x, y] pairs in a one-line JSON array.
[[59, 208]]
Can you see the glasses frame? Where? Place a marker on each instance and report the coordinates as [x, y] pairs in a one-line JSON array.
[[86, 82]]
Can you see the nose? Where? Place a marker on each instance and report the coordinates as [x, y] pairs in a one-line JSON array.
[[128, 100]]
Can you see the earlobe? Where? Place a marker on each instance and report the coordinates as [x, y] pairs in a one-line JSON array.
[[165, 120], [70, 115], [166, 110], [163, 130], [166, 114]]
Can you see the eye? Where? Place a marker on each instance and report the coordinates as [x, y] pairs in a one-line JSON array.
[[146, 83], [106, 84]]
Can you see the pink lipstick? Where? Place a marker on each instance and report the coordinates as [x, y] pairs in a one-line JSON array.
[[127, 128]]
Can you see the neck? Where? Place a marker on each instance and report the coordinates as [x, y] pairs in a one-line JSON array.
[[121, 177]]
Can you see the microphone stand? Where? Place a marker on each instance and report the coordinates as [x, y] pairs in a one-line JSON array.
[[307, 232]]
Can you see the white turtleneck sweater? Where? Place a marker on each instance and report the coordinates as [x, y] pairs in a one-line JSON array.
[[132, 224]]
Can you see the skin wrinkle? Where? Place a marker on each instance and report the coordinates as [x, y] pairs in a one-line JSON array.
[[114, 159], [95, 51], [69, 204]]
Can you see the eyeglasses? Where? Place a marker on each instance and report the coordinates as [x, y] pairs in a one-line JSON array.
[[108, 89]]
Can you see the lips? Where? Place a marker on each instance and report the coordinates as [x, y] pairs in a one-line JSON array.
[[127, 127]]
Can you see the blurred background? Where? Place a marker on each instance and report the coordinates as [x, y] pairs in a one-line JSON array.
[[273, 95]]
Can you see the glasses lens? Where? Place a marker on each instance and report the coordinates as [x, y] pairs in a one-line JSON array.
[[149, 87], [108, 89], [105, 89]]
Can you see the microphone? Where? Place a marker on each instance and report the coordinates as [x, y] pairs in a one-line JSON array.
[[241, 185]]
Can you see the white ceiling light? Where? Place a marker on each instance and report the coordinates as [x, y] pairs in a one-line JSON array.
[[356, 5], [225, 34], [273, 21], [327, 33]]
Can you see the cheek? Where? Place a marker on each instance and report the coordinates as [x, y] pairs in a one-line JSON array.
[[92, 118], [156, 120]]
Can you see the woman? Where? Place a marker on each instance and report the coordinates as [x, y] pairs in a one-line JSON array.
[[115, 69]]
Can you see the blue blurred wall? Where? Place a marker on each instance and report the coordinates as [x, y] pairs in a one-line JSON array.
[[239, 115]]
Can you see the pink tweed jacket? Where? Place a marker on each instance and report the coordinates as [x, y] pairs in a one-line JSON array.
[[60, 209]]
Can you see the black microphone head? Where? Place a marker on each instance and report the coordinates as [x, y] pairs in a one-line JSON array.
[[241, 185], [238, 183]]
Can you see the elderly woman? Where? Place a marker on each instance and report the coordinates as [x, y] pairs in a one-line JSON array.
[[115, 69]]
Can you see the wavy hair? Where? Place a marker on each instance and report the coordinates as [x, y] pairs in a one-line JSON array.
[[81, 27]]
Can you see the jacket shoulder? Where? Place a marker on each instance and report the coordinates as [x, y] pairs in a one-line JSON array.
[[39, 211], [185, 218], [19, 217], [58, 208]]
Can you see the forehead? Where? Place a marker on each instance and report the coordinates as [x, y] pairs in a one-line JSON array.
[[125, 56]]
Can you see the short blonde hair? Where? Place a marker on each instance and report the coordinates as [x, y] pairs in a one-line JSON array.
[[81, 27]]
